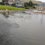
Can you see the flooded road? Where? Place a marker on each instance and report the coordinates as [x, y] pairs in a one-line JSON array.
[[24, 29]]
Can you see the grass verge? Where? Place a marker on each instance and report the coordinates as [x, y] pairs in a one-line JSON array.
[[4, 7]]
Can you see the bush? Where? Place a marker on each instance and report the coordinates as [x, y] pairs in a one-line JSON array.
[[34, 7]]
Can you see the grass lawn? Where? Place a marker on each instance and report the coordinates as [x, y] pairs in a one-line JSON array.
[[4, 7]]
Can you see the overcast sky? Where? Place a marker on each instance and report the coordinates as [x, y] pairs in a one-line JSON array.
[[37, 0], [41, 0]]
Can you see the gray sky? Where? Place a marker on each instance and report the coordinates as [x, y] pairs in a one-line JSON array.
[[0, 0], [37, 0], [41, 0]]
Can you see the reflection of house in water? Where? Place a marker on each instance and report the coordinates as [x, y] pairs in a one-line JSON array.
[[41, 6]]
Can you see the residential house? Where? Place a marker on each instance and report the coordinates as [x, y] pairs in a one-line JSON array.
[[18, 2], [11, 1]]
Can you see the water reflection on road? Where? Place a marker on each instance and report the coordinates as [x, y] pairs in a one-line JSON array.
[[25, 29]]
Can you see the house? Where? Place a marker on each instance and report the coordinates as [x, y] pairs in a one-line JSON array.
[[18, 2], [13, 1]]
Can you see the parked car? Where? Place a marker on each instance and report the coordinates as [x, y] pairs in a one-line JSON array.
[[13, 5]]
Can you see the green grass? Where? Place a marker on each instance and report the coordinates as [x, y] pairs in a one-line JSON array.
[[4, 7]]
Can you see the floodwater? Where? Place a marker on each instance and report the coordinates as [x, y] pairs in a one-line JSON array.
[[24, 29]]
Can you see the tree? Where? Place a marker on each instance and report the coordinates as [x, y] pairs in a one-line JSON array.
[[30, 3], [26, 5]]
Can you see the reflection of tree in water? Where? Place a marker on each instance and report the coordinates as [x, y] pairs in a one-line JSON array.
[[5, 38], [6, 14]]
